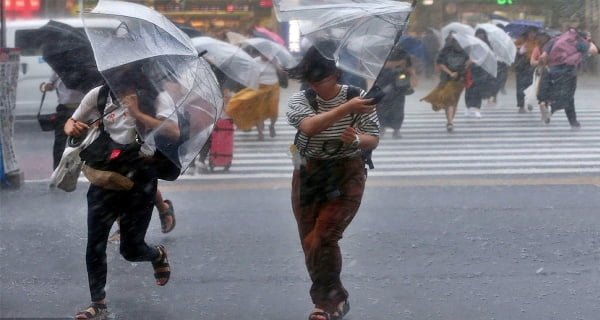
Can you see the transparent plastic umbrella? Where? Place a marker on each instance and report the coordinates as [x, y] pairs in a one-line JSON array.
[[502, 44], [457, 27], [479, 52], [231, 60], [273, 51], [346, 23], [150, 54]]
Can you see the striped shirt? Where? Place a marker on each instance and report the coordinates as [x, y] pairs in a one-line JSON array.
[[321, 145]]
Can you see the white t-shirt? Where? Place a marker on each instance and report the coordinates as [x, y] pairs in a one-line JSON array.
[[118, 123]]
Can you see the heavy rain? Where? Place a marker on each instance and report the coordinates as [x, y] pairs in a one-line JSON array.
[[300, 159]]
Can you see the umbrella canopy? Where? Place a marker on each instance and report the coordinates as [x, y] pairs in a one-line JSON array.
[[234, 62], [479, 52], [517, 28], [235, 38], [263, 32], [413, 46], [345, 22], [150, 55], [69, 52], [457, 27], [502, 44], [273, 51]]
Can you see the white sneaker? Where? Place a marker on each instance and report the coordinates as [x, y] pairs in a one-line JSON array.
[[477, 114], [468, 113]]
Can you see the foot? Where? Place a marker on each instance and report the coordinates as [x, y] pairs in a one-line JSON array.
[[272, 131], [162, 269], [319, 314], [167, 217], [522, 110], [468, 113], [95, 311], [396, 134], [575, 125], [342, 310], [477, 114], [529, 107], [261, 136], [115, 237], [449, 127]]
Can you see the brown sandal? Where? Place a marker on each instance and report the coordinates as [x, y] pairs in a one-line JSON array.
[[94, 311], [164, 215], [162, 269]]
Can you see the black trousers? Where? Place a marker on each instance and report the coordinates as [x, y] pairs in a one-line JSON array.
[[562, 82], [60, 138], [524, 76], [104, 206]]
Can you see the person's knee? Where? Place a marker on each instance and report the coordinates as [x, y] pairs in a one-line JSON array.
[[131, 253]]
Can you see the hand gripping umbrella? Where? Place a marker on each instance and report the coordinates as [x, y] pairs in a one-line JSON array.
[[69, 53], [166, 68], [502, 45], [345, 22], [234, 62]]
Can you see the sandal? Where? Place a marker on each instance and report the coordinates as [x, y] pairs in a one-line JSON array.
[[94, 311], [319, 313], [342, 310], [163, 217], [162, 269]]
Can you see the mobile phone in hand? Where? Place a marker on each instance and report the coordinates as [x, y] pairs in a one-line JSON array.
[[376, 93]]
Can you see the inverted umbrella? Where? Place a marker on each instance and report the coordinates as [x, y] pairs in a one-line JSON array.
[[69, 53], [231, 60], [147, 50], [272, 51], [479, 52], [344, 23], [457, 27], [502, 44]]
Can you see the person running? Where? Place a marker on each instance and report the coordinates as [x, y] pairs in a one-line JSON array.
[[329, 179], [132, 199], [452, 61]]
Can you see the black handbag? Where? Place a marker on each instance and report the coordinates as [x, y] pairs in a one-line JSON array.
[[48, 121]]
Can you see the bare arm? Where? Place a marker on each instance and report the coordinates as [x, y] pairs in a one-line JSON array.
[[169, 128]]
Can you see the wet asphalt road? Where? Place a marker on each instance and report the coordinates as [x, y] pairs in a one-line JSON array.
[[462, 251]]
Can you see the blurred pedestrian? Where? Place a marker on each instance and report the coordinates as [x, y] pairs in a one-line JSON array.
[[481, 85], [397, 80], [564, 54], [329, 175], [523, 69], [452, 61], [540, 72], [68, 101], [432, 48]]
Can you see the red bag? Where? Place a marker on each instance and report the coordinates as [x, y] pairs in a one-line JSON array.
[[468, 78]]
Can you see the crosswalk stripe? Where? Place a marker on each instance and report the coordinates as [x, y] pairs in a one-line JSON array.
[[503, 142]]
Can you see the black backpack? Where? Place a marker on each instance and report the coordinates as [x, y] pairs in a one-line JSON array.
[[351, 93]]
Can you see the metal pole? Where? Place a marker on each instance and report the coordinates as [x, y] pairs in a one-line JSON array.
[[2, 25]]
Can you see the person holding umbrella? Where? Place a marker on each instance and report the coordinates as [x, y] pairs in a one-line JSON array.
[[135, 105], [329, 176], [452, 61], [481, 84]]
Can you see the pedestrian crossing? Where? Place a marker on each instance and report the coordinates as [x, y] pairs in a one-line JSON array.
[[502, 142]]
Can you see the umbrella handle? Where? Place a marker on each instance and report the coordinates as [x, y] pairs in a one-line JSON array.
[[202, 53]]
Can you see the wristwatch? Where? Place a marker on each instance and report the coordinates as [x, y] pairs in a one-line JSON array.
[[356, 141]]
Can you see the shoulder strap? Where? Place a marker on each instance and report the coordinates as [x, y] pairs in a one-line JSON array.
[[101, 103]]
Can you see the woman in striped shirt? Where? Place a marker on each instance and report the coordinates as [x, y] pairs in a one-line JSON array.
[[334, 126]]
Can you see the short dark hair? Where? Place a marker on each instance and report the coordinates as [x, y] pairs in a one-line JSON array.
[[313, 67]]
